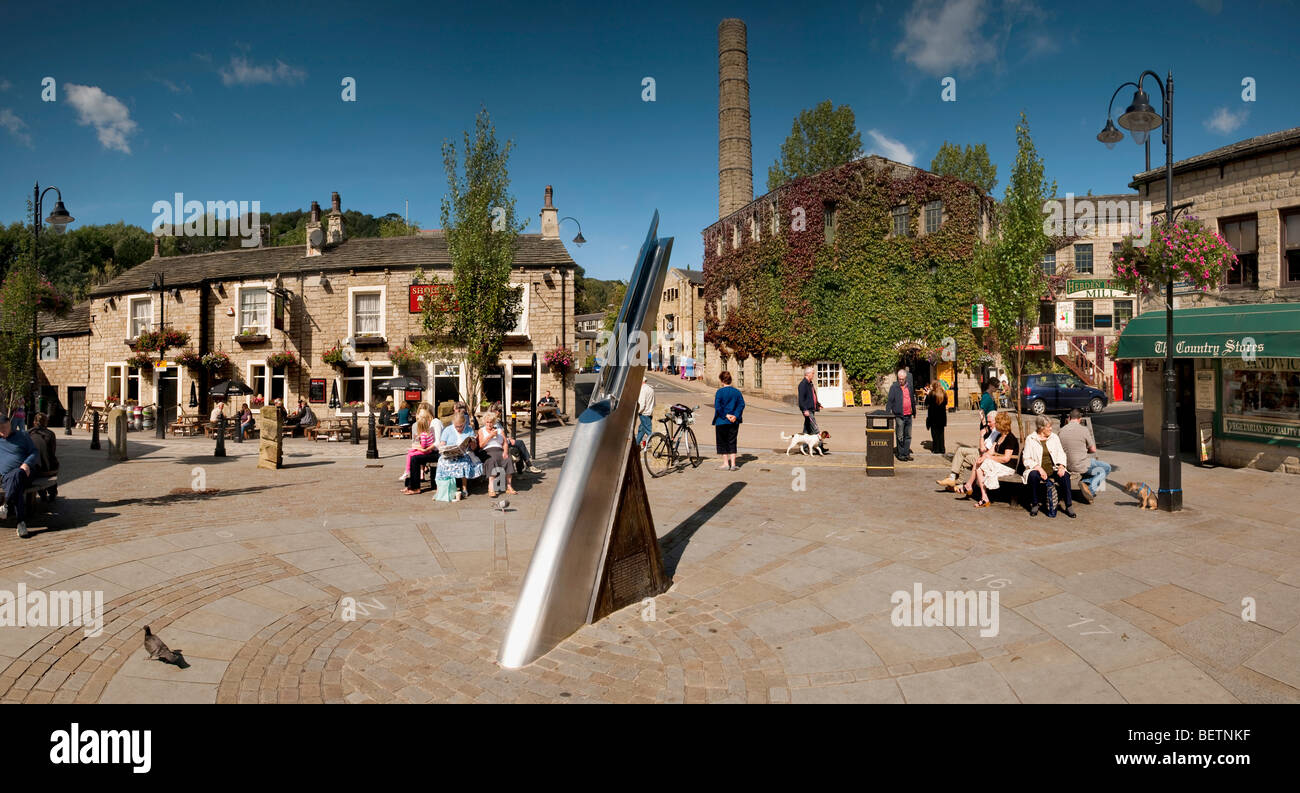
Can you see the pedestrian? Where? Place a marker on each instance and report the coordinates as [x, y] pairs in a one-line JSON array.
[[46, 443], [500, 465], [728, 407], [1081, 456], [423, 450], [901, 402], [936, 415], [18, 460], [245, 421], [645, 408], [808, 403], [987, 403], [1045, 467]]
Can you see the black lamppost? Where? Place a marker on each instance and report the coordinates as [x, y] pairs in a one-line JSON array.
[[159, 286], [59, 219], [1141, 119]]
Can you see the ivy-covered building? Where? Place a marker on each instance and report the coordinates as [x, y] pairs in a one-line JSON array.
[[858, 270]]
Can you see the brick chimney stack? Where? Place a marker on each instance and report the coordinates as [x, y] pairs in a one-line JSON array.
[[335, 235], [550, 218], [315, 238], [735, 157]]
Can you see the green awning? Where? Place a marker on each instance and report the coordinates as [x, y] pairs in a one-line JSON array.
[[1216, 332]]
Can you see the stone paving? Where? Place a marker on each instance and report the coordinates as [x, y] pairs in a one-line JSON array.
[[779, 594]]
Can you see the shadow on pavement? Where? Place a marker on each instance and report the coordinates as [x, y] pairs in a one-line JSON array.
[[673, 544]]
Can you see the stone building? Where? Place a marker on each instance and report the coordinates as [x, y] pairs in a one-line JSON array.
[[361, 295], [1084, 312], [680, 325], [586, 328], [1239, 406], [64, 363]]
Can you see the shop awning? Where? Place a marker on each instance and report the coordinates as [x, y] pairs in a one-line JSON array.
[[1216, 332]]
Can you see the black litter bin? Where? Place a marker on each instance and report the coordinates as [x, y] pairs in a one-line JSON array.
[[880, 443]]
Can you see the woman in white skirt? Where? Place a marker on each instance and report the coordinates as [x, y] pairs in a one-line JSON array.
[[464, 466], [993, 463]]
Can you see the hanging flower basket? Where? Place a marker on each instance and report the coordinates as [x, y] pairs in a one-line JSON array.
[[333, 357], [560, 358], [1187, 252], [141, 360], [49, 299], [160, 340], [402, 357], [258, 401], [216, 362], [278, 359], [190, 360]]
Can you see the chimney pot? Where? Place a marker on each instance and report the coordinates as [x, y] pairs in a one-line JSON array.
[[157, 243], [549, 192], [315, 212], [335, 203]]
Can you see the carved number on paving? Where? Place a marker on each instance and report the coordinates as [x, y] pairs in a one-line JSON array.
[[1085, 621], [994, 583]]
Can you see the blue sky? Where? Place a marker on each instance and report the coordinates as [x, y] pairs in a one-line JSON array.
[[242, 101]]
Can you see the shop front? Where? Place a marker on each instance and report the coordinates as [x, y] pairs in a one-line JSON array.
[[1238, 382]]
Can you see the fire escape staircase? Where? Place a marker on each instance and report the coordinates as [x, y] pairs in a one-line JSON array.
[[1081, 364]]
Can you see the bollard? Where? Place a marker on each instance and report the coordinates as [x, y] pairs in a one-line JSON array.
[[239, 435], [372, 445], [94, 429], [220, 451], [355, 439], [67, 422]]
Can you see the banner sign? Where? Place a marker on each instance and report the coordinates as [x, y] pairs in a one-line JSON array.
[[1065, 315], [420, 292]]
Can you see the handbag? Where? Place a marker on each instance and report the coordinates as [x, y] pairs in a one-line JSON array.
[[446, 490]]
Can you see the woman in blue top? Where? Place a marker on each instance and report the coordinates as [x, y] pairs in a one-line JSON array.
[[728, 405], [464, 467]]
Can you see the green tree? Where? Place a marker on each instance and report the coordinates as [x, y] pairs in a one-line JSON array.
[[1011, 271], [821, 138], [478, 217], [18, 294], [616, 294], [392, 225], [970, 164]]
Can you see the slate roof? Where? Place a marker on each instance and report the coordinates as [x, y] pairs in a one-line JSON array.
[[694, 276], [75, 323], [427, 251], [1250, 147]]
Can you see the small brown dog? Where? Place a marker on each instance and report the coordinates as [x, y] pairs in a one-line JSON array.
[[1143, 492]]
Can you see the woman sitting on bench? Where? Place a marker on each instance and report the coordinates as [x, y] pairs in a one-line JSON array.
[[993, 463]]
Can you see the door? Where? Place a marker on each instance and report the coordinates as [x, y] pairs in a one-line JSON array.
[[51, 406], [76, 402], [168, 394], [1185, 394], [830, 384]]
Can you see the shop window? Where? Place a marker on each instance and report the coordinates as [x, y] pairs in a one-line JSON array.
[[933, 216], [1261, 398], [1083, 258], [1291, 247], [1083, 319], [828, 375], [1242, 234], [141, 315]]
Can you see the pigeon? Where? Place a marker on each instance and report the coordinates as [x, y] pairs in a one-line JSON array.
[[501, 505], [157, 649]]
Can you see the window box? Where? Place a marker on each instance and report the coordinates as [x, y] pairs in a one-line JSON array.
[[247, 339], [369, 341]]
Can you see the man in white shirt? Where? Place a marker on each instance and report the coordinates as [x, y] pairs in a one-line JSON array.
[[1044, 453], [964, 457], [645, 408]]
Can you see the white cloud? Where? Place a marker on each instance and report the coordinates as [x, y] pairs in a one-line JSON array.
[[1225, 122], [15, 125], [940, 36], [889, 148], [241, 71], [111, 119], [5, 85]]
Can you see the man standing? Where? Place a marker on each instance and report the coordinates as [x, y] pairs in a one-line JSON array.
[[645, 408], [1080, 450], [808, 403], [902, 404], [18, 458]]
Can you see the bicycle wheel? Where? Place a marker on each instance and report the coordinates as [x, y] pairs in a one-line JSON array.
[[657, 455], [693, 449]]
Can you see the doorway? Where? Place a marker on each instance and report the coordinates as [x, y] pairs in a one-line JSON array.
[[77, 402], [168, 394], [1185, 393]]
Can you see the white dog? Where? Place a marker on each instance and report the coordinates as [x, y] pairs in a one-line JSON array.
[[810, 443]]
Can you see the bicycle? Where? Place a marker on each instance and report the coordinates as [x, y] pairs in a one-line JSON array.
[[663, 450]]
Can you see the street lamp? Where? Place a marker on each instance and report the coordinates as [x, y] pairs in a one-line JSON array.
[[578, 240], [160, 286], [1141, 119], [59, 219], [1110, 135]]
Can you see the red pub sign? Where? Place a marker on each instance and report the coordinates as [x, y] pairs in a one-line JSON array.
[[420, 292]]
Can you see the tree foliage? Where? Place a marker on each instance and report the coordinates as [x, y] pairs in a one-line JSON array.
[[478, 217], [18, 297], [820, 138], [1011, 272], [970, 164]]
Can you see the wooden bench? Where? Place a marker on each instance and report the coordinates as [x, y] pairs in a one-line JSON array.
[[37, 486]]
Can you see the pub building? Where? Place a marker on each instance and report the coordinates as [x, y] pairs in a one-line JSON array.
[[1238, 382], [363, 296]]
